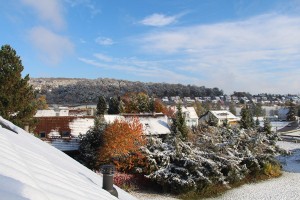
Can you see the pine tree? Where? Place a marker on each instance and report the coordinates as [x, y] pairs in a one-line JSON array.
[[152, 104], [291, 115], [246, 121], [143, 102], [257, 123], [101, 106], [90, 144], [179, 126], [232, 108], [18, 102], [113, 106], [267, 126]]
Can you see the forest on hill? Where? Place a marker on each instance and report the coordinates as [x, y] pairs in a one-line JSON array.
[[79, 91]]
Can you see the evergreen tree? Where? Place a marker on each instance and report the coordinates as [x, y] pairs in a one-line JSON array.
[[212, 121], [90, 144], [152, 105], [18, 102], [114, 106], [143, 102], [101, 106], [179, 126], [267, 126], [291, 115], [257, 123], [246, 118], [232, 108]]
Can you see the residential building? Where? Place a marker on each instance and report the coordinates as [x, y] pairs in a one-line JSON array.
[[219, 116], [191, 117]]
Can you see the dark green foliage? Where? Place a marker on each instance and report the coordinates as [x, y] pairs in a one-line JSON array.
[[256, 110], [101, 106], [151, 105], [246, 121], [232, 108], [212, 121], [219, 156], [114, 106], [267, 126], [17, 98], [90, 143], [257, 122], [291, 115], [77, 92], [179, 126], [143, 102]]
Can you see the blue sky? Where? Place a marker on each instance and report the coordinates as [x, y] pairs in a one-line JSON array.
[[236, 45]]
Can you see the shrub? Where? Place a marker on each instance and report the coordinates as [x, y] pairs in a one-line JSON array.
[[272, 170]]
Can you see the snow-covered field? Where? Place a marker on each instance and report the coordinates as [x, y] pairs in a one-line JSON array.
[[277, 125], [285, 187]]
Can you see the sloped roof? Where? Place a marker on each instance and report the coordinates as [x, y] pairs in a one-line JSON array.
[[224, 114], [45, 113], [81, 125], [32, 169], [152, 124], [192, 112], [155, 125], [111, 118]]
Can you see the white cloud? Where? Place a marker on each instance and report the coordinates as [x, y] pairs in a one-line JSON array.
[[158, 20], [257, 54], [48, 10], [104, 41], [103, 57], [52, 46], [85, 3]]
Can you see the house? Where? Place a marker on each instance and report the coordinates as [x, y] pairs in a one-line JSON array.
[[188, 100], [153, 123], [191, 117], [62, 131], [165, 99], [32, 169], [219, 116], [282, 114]]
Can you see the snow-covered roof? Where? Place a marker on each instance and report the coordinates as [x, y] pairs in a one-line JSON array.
[[45, 113], [111, 118], [192, 112], [32, 169], [224, 114], [80, 126], [52, 113], [155, 125]]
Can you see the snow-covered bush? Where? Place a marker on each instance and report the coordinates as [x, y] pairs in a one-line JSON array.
[[216, 156]]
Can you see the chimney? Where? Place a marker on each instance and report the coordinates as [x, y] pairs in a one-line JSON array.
[[108, 174]]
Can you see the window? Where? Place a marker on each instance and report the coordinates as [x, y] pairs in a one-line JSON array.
[[65, 134], [42, 134]]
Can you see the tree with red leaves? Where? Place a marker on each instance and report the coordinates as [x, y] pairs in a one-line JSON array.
[[122, 141]]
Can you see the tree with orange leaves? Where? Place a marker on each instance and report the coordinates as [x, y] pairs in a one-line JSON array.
[[122, 141]]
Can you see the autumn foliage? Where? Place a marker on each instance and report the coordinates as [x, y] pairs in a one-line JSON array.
[[121, 144]]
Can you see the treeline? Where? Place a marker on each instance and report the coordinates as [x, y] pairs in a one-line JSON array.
[[88, 90]]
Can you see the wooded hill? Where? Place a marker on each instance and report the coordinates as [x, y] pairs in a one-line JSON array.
[[79, 91]]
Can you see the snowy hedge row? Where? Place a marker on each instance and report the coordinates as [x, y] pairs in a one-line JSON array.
[[212, 156]]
